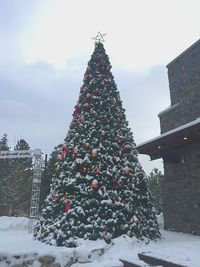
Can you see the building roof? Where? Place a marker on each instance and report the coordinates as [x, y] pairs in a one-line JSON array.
[[184, 52], [163, 144]]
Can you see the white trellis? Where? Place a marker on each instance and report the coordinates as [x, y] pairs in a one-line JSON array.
[[36, 155]]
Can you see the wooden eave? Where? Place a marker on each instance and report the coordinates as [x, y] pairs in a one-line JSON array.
[[166, 143]]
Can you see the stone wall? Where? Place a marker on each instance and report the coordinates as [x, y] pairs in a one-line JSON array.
[[65, 259], [181, 184], [186, 110], [181, 191]]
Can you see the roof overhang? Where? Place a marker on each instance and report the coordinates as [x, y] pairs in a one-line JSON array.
[[162, 146]]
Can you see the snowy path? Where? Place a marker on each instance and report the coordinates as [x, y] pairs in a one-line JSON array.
[[177, 247]]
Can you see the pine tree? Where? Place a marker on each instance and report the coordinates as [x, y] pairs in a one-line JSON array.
[[154, 183], [4, 174], [49, 172], [20, 181], [4, 143], [101, 190]]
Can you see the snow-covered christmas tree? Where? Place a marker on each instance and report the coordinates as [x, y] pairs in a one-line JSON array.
[[100, 189]]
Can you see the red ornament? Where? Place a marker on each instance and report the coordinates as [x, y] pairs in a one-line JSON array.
[[115, 158], [97, 172], [126, 170], [92, 111], [123, 146], [75, 150], [64, 152], [109, 174], [66, 207], [84, 170]]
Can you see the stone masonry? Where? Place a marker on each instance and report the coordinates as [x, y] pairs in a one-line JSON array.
[[181, 185]]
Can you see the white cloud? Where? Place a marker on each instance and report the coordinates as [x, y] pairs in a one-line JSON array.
[[139, 33]]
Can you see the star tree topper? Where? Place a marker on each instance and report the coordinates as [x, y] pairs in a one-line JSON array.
[[99, 38]]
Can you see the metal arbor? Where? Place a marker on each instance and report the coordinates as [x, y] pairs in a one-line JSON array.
[[36, 155]]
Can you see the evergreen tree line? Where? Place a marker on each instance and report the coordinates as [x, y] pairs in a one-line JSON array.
[[15, 181]]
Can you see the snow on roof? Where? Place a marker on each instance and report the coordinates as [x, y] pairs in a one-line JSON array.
[[168, 109], [180, 128]]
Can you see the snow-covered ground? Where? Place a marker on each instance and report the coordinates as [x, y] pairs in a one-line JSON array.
[[176, 247]]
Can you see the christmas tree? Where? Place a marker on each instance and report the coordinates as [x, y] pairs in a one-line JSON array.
[[100, 189]]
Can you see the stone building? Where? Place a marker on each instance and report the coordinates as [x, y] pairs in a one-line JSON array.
[[179, 144]]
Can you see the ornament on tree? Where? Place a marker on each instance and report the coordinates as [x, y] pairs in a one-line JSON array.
[[95, 184], [75, 111], [109, 174], [120, 153], [66, 207], [116, 159], [66, 203], [73, 156], [119, 199], [97, 171], [94, 153], [123, 146], [84, 170], [103, 132], [120, 184], [92, 111], [109, 202], [64, 152], [88, 96], [77, 135], [87, 105], [75, 150], [87, 145], [126, 170], [54, 197]]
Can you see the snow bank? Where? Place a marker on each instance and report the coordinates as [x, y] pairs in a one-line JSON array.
[[18, 246], [13, 223]]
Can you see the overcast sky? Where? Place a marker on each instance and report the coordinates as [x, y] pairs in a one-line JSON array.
[[44, 50]]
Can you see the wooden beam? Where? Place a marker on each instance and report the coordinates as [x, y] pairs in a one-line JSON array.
[[157, 262], [130, 264]]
